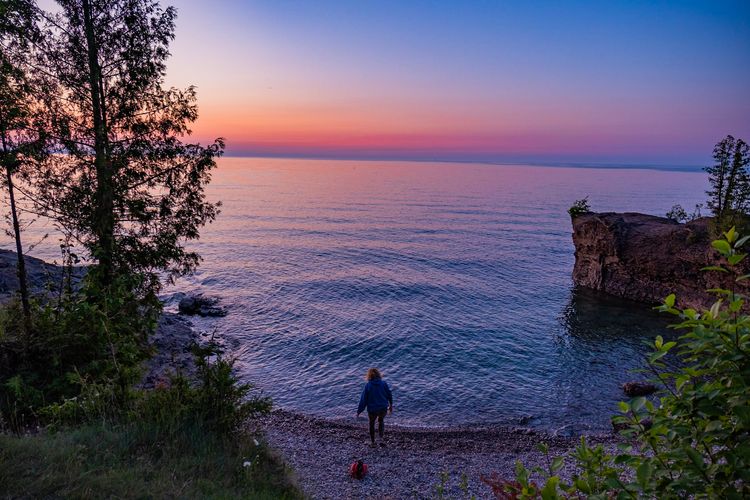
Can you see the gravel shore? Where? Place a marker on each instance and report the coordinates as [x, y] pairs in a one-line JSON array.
[[413, 461]]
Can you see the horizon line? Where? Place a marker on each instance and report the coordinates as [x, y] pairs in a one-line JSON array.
[[674, 167]]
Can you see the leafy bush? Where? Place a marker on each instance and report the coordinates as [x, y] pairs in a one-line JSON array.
[[696, 441], [86, 339], [579, 207], [679, 214], [218, 402]]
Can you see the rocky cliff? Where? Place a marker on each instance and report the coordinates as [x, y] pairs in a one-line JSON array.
[[42, 276], [645, 258]]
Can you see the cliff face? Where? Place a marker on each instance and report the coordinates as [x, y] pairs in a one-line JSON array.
[[645, 258]]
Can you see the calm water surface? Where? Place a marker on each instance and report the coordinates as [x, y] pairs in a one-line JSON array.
[[454, 279]]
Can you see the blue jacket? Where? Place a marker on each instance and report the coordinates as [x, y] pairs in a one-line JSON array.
[[376, 396]]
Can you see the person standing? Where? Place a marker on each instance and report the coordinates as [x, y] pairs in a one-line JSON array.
[[377, 398]]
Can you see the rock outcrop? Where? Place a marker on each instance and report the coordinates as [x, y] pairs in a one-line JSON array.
[[201, 305], [645, 258], [42, 276]]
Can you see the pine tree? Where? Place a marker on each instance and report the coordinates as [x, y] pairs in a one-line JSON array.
[[127, 187], [729, 196]]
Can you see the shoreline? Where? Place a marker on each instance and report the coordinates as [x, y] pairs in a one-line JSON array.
[[413, 464], [320, 450], [416, 461]]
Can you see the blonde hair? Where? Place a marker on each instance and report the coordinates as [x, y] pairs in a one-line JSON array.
[[373, 373]]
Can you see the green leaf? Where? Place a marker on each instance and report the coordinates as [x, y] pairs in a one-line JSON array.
[[612, 483], [622, 459], [741, 241], [690, 313], [736, 258], [713, 425], [582, 485], [637, 403], [722, 246], [695, 457], [681, 381], [557, 463], [714, 268], [624, 407], [549, 492], [643, 474], [669, 300], [715, 309]]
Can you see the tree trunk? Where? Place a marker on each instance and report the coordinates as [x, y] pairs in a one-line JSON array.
[[23, 286], [104, 218]]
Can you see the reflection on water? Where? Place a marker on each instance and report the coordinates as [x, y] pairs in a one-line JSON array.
[[454, 279], [602, 345], [593, 318]]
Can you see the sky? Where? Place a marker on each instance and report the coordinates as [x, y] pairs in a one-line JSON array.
[[526, 81]]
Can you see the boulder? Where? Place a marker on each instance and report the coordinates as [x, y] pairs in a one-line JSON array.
[[200, 305], [645, 258], [635, 389]]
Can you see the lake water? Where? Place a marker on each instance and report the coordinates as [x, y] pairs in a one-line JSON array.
[[453, 279]]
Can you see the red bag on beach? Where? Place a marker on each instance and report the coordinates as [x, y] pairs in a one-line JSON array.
[[358, 469]]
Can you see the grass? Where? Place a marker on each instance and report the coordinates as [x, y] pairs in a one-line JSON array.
[[137, 461]]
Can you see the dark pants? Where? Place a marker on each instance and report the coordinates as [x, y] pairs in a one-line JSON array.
[[380, 415]]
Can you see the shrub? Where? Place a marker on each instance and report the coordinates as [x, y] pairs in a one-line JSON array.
[[75, 342], [218, 402], [677, 214], [696, 441], [579, 207]]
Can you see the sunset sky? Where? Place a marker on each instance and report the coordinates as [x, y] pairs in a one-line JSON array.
[[614, 82]]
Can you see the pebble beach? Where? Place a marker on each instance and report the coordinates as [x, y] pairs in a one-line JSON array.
[[415, 463]]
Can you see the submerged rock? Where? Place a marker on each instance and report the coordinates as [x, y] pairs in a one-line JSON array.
[[635, 389], [201, 305], [645, 258]]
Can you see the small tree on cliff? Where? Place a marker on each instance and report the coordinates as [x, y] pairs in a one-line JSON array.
[[127, 188], [729, 196]]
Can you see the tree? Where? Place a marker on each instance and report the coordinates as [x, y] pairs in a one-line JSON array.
[[19, 140], [729, 196], [127, 187]]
